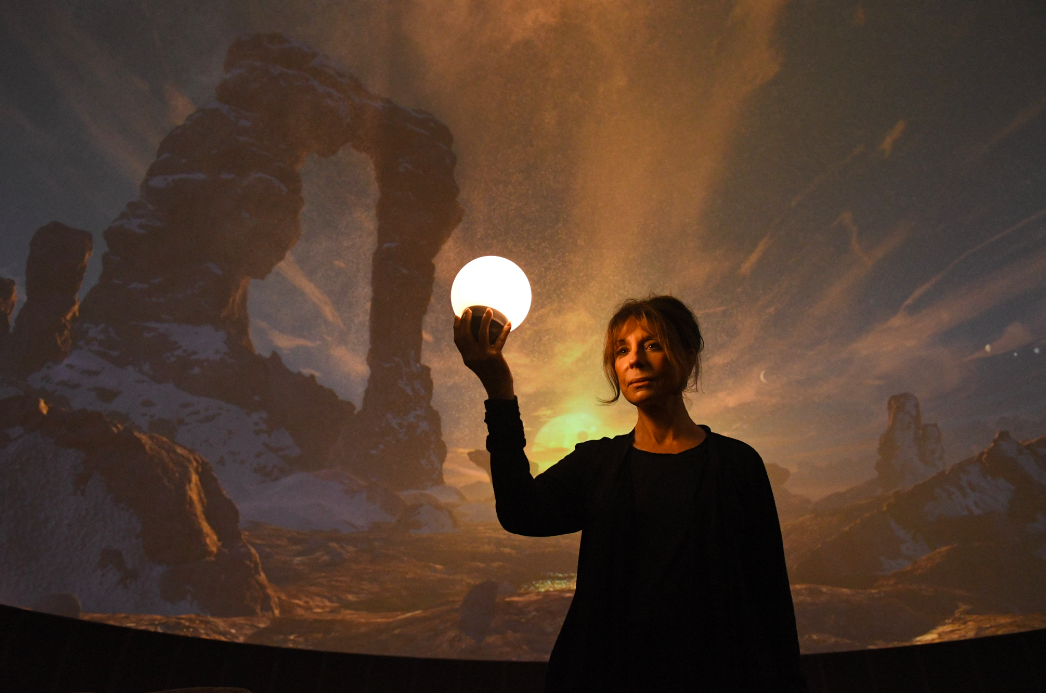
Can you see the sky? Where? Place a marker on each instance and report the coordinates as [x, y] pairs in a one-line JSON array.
[[850, 195]]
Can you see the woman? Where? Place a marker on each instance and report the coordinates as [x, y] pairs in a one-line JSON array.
[[681, 580]]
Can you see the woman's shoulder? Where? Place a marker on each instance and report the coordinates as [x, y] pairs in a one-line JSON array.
[[598, 447], [595, 453], [734, 449]]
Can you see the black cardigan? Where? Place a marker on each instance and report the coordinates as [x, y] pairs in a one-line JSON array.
[[742, 582]]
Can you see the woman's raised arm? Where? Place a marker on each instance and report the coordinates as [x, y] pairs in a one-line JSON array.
[[551, 504]]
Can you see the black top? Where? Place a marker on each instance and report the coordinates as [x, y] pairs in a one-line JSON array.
[[662, 556], [664, 624], [742, 634]]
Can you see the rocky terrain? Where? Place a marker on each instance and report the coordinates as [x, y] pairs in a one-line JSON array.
[[125, 521], [385, 592], [959, 554], [391, 592], [995, 500]]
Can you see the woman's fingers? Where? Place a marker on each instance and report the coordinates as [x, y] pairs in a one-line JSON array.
[[484, 327], [480, 355], [462, 333], [500, 343]]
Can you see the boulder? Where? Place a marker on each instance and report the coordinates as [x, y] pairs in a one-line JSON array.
[[477, 610], [834, 618], [426, 517], [128, 521]]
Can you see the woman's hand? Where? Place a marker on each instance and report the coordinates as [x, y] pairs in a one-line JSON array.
[[483, 358]]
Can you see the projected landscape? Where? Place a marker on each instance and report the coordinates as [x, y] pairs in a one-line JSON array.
[[231, 405]]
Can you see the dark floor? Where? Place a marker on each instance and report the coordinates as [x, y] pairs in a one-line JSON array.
[[52, 654]]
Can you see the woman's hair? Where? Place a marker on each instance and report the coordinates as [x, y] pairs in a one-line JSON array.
[[675, 327]]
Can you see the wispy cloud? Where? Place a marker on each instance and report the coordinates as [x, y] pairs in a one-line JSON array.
[[751, 260], [119, 113], [1015, 336], [284, 342], [886, 146], [1022, 119], [972, 252], [909, 338], [350, 362], [289, 269]]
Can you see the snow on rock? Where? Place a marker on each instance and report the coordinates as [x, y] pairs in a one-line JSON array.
[[909, 452], [163, 339], [244, 451], [1011, 580], [441, 493], [333, 500], [126, 521], [973, 494], [253, 461], [911, 548], [197, 342]]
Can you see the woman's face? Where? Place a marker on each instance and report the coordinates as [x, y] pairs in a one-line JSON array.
[[643, 370]]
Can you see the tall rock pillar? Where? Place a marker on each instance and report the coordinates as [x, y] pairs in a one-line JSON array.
[[398, 431], [909, 451], [54, 271]]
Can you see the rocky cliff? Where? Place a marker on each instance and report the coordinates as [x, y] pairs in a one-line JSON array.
[[126, 521], [163, 340]]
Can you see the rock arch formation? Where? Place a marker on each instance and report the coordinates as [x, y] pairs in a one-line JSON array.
[[220, 206]]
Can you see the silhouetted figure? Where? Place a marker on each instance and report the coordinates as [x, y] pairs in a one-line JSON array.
[[681, 582]]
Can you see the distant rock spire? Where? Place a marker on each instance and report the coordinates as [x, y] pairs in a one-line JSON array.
[[55, 269], [909, 451], [8, 298]]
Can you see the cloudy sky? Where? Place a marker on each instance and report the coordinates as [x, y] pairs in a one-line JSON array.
[[849, 194]]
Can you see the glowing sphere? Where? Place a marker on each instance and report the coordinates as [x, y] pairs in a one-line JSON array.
[[493, 282]]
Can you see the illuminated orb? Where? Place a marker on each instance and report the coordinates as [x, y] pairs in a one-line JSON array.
[[491, 282]]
